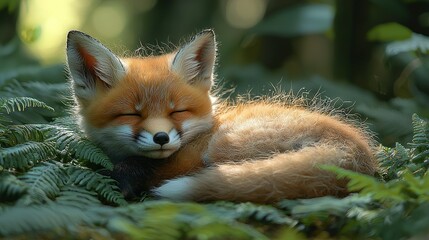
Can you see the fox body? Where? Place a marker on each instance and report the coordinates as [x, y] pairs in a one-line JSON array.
[[155, 118]]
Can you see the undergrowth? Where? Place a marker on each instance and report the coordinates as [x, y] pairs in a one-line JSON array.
[[51, 186]]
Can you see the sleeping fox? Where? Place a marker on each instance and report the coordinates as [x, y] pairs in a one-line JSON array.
[[156, 119]]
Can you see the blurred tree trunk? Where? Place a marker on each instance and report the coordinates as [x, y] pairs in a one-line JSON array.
[[351, 49], [8, 23]]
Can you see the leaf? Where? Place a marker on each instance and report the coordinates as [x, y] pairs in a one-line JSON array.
[[11, 188], [325, 205], [104, 186], [368, 185], [77, 197], [420, 133], [295, 21], [21, 103], [51, 218], [393, 160], [68, 138], [44, 181], [388, 32], [17, 134], [167, 220], [87, 151], [250, 211], [25, 155]]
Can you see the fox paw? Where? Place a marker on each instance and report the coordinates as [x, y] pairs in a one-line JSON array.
[[179, 189]]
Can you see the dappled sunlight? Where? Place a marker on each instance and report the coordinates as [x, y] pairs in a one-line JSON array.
[[245, 13], [109, 19], [43, 25]]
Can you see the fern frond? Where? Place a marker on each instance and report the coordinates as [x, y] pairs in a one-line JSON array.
[[420, 143], [250, 211], [417, 186], [85, 150], [77, 197], [368, 185], [3, 134], [16, 134], [324, 205], [420, 131], [105, 187], [77, 146], [25, 155], [167, 220], [21, 103], [11, 188], [52, 218], [393, 160], [44, 181]]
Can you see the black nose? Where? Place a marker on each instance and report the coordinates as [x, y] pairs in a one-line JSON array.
[[161, 138]]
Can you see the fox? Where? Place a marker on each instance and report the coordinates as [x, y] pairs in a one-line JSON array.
[[159, 121]]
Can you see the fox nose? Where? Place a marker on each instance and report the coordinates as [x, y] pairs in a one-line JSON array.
[[161, 138]]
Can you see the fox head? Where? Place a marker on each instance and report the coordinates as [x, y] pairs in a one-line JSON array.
[[143, 106]]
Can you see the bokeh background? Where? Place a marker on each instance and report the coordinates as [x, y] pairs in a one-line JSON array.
[[369, 56]]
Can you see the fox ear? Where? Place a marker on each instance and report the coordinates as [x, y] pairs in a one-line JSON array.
[[195, 61], [91, 65]]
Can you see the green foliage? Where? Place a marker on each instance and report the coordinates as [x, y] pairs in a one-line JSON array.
[[166, 220], [389, 32], [395, 161], [69, 139], [44, 184], [11, 5], [25, 155], [104, 186], [21, 103], [11, 188]]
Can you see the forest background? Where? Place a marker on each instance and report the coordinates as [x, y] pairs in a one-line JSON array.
[[369, 57]]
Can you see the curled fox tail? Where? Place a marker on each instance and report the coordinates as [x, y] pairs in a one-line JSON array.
[[286, 175]]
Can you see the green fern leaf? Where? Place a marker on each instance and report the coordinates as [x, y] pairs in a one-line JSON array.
[[21, 103], [11, 188], [368, 185], [167, 220], [393, 160], [16, 134], [77, 197], [78, 147], [418, 187], [52, 218], [105, 187], [420, 143], [324, 206], [44, 181], [87, 151], [25, 155], [250, 211], [420, 130]]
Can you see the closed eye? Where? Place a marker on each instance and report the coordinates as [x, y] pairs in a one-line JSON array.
[[180, 114], [129, 114], [179, 111]]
